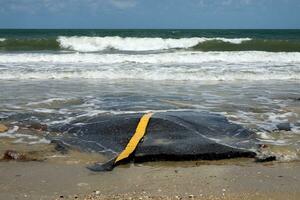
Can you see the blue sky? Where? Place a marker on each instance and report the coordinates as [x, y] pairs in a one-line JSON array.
[[149, 13]]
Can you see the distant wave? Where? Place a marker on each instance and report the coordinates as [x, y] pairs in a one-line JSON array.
[[198, 66], [136, 44]]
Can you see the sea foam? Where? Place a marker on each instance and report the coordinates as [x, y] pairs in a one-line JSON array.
[[187, 57], [185, 65]]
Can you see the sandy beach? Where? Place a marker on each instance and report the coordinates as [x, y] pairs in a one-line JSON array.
[[234, 179]]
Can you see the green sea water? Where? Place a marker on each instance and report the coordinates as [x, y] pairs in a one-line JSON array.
[[287, 34]]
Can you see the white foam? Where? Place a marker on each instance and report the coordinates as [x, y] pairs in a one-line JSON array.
[[44, 110], [10, 133], [287, 157], [91, 44], [41, 141], [201, 66], [47, 101], [2, 39], [189, 57], [233, 40], [28, 139], [23, 138], [154, 75]]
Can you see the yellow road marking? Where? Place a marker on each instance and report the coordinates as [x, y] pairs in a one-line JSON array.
[[138, 135]]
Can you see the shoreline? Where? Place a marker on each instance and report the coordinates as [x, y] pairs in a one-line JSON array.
[[236, 179]]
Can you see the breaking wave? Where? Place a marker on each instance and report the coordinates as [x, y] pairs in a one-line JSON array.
[[135, 44], [92, 44]]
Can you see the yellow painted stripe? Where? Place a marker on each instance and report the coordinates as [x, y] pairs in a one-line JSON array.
[[138, 135]]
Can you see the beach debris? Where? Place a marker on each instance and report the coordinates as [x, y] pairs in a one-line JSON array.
[[14, 155], [264, 157], [3, 128], [284, 126], [18, 156], [263, 146]]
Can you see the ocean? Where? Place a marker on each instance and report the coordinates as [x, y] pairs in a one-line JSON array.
[[55, 77]]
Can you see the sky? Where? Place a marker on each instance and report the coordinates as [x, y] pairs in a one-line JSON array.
[[195, 14]]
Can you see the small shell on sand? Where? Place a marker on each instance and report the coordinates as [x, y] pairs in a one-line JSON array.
[[3, 128]]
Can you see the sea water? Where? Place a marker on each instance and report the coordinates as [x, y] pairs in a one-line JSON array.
[[58, 76]]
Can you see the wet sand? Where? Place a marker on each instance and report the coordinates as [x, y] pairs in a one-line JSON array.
[[235, 179]]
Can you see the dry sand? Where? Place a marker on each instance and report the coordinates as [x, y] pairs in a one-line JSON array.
[[236, 179]]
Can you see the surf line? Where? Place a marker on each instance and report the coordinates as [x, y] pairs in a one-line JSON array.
[[136, 138]]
